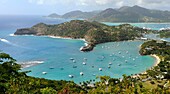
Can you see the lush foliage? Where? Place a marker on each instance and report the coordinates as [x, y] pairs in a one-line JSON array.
[[164, 33], [93, 32], [12, 81]]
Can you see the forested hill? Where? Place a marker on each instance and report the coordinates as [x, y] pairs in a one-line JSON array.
[[122, 14], [93, 32]]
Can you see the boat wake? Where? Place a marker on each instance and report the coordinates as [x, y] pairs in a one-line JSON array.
[[30, 63], [11, 35], [10, 43], [4, 40]]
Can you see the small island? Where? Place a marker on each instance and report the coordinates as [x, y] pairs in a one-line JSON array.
[[93, 32]]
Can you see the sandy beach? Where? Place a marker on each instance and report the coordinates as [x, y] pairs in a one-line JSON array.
[[30, 63], [59, 37], [66, 38], [158, 60]]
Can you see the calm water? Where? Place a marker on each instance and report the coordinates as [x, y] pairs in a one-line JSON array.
[[56, 53]]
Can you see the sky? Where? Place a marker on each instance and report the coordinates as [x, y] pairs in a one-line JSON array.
[[45, 7]]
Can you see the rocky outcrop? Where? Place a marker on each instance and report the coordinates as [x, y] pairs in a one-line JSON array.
[[25, 31], [87, 48]]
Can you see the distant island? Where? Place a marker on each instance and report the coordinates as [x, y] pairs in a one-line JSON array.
[[122, 14], [93, 32]]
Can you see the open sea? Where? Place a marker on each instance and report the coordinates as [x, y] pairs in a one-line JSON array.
[[54, 54]]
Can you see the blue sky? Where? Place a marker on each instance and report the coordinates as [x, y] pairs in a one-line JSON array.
[[45, 7]]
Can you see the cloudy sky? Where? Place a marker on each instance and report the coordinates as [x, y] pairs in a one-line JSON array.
[[44, 7]]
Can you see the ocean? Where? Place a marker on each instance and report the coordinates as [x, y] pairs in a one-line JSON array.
[[114, 58]]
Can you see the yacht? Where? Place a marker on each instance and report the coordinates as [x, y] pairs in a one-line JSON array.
[[70, 76], [119, 64], [71, 58], [109, 67], [44, 72], [84, 63], [85, 59], [81, 73], [74, 61], [100, 69]]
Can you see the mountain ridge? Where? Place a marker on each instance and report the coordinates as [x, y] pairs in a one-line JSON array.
[[123, 14]]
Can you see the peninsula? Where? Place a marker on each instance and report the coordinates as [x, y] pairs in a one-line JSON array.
[[93, 32]]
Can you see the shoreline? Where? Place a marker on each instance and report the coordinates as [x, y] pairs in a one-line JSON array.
[[59, 37], [157, 61], [28, 64], [68, 38]]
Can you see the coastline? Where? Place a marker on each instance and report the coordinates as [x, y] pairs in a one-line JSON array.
[[158, 60], [59, 37], [28, 64]]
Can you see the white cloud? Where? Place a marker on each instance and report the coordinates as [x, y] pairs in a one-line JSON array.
[[120, 4], [102, 4], [42, 2]]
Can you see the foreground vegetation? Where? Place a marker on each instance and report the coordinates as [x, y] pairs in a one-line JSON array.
[[155, 81], [165, 33], [12, 81]]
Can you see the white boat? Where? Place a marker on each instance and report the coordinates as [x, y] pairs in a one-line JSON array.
[[127, 52], [100, 69], [71, 58], [110, 63], [74, 61], [109, 67], [126, 61], [70, 76], [133, 59], [84, 63], [85, 59], [119, 64], [44, 72], [81, 73]]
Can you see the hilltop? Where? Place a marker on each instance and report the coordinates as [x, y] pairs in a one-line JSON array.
[[122, 14], [93, 32]]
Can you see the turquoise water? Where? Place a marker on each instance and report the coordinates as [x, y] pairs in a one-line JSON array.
[[59, 57], [56, 53]]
